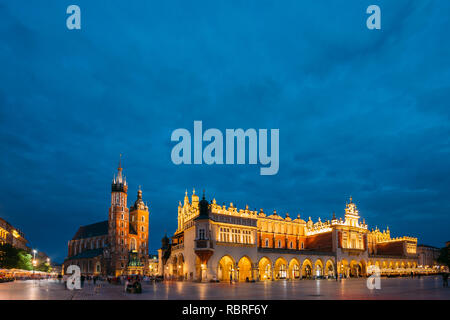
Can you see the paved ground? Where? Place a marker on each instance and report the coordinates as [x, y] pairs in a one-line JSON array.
[[396, 288]]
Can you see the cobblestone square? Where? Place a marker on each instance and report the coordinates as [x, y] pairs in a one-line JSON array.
[[349, 289]]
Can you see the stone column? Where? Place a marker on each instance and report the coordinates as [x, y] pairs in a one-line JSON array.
[[255, 273], [271, 270]]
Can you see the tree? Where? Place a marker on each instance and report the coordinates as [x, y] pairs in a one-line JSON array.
[[44, 266], [8, 256], [25, 260], [13, 258], [444, 256]]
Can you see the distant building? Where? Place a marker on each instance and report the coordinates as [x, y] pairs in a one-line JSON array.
[[214, 242], [117, 246], [13, 236], [153, 265], [428, 255], [56, 268]]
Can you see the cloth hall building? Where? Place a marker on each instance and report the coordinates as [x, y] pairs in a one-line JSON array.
[[214, 242]]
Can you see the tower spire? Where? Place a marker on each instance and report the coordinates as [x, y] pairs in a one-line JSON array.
[[120, 163]]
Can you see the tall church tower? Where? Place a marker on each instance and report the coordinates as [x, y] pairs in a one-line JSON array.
[[118, 223]]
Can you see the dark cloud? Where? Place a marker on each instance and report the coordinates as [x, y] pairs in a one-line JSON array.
[[360, 112]]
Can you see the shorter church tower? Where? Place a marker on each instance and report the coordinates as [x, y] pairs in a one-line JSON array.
[[138, 257]]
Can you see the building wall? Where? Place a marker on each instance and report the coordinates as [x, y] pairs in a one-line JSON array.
[[12, 236], [428, 255], [391, 248]]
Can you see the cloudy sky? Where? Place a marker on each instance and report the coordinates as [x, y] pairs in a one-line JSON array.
[[360, 112]]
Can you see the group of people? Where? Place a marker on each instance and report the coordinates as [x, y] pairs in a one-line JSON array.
[[445, 279], [133, 284]]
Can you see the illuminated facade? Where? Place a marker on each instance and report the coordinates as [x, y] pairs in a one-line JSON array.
[[118, 245], [214, 242], [12, 236]]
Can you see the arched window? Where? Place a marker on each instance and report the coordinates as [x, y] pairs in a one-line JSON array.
[[290, 245], [267, 242], [143, 219], [303, 245], [133, 244], [279, 243]]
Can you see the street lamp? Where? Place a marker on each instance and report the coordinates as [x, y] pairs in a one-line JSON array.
[[34, 260]]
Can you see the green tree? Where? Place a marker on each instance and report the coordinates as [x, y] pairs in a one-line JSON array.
[[9, 257], [13, 258], [44, 266], [25, 260]]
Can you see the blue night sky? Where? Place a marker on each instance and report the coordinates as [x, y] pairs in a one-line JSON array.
[[360, 112]]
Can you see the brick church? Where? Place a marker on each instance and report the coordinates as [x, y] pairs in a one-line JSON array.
[[117, 246]]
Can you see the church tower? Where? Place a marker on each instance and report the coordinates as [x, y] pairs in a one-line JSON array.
[[138, 249], [118, 223], [139, 224]]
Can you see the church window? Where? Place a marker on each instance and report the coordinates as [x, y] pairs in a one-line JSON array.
[[143, 219], [290, 245], [279, 243], [303, 245], [267, 242]]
